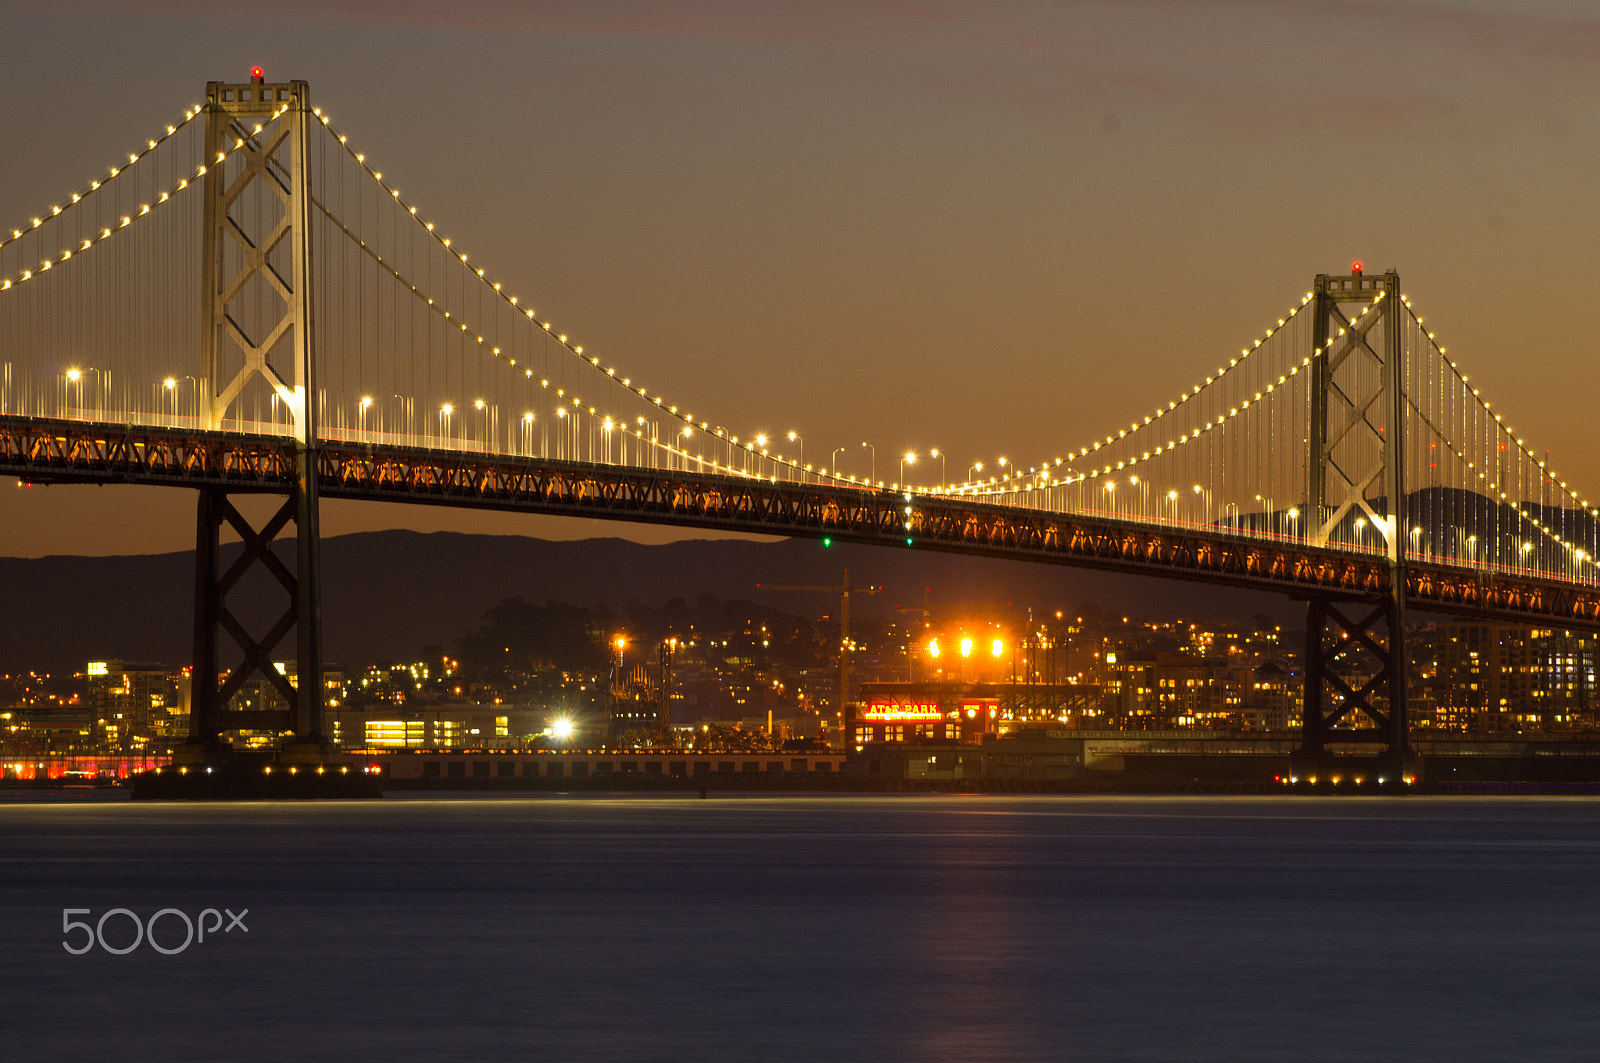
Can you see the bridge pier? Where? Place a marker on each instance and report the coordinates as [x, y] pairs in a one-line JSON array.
[[1373, 714], [305, 764]]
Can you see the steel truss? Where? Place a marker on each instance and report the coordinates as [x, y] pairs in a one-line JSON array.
[[43, 450], [209, 713], [1336, 713]]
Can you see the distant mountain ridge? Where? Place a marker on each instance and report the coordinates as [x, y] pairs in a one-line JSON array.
[[387, 594]]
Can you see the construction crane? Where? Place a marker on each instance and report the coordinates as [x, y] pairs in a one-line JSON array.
[[844, 591]]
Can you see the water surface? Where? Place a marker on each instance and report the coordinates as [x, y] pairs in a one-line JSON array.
[[811, 927]]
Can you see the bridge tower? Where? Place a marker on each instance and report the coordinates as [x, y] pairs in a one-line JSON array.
[[1356, 477], [258, 331]]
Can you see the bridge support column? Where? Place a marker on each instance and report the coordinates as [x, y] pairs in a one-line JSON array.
[[1372, 714], [271, 701], [1355, 479]]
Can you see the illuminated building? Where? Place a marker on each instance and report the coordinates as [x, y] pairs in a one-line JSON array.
[[1504, 677], [1161, 690], [445, 726], [1273, 702], [923, 713], [129, 702]]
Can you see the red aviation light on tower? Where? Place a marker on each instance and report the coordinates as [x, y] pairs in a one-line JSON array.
[[1355, 268], [257, 73]]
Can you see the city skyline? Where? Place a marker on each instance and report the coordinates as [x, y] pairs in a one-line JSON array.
[[997, 230]]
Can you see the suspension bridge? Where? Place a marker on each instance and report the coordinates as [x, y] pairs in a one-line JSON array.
[[247, 304]]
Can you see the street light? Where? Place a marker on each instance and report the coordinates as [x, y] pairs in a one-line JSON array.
[[976, 466], [833, 460], [874, 465], [361, 414], [444, 420], [171, 384], [403, 413], [795, 437], [940, 456], [481, 437], [76, 377], [909, 459]]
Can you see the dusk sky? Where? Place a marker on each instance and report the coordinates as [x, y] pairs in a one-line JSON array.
[[991, 228]]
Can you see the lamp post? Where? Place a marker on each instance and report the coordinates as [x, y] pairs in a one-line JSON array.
[[874, 466], [940, 455], [76, 376], [402, 415], [171, 386], [975, 467], [361, 413], [795, 437], [444, 421], [910, 458], [833, 460], [1271, 515]]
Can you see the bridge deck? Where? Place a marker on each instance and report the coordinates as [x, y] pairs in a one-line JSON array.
[[43, 450]]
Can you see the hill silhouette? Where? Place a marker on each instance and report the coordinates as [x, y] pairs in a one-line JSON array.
[[388, 594]]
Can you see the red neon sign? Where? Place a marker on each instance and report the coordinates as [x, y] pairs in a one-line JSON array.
[[905, 711]]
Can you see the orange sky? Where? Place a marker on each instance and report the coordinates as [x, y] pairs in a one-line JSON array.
[[995, 229]]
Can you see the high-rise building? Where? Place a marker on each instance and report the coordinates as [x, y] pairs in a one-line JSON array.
[[1162, 689], [1504, 677], [130, 702]]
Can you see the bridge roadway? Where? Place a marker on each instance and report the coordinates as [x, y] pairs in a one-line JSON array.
[[45, 450]]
